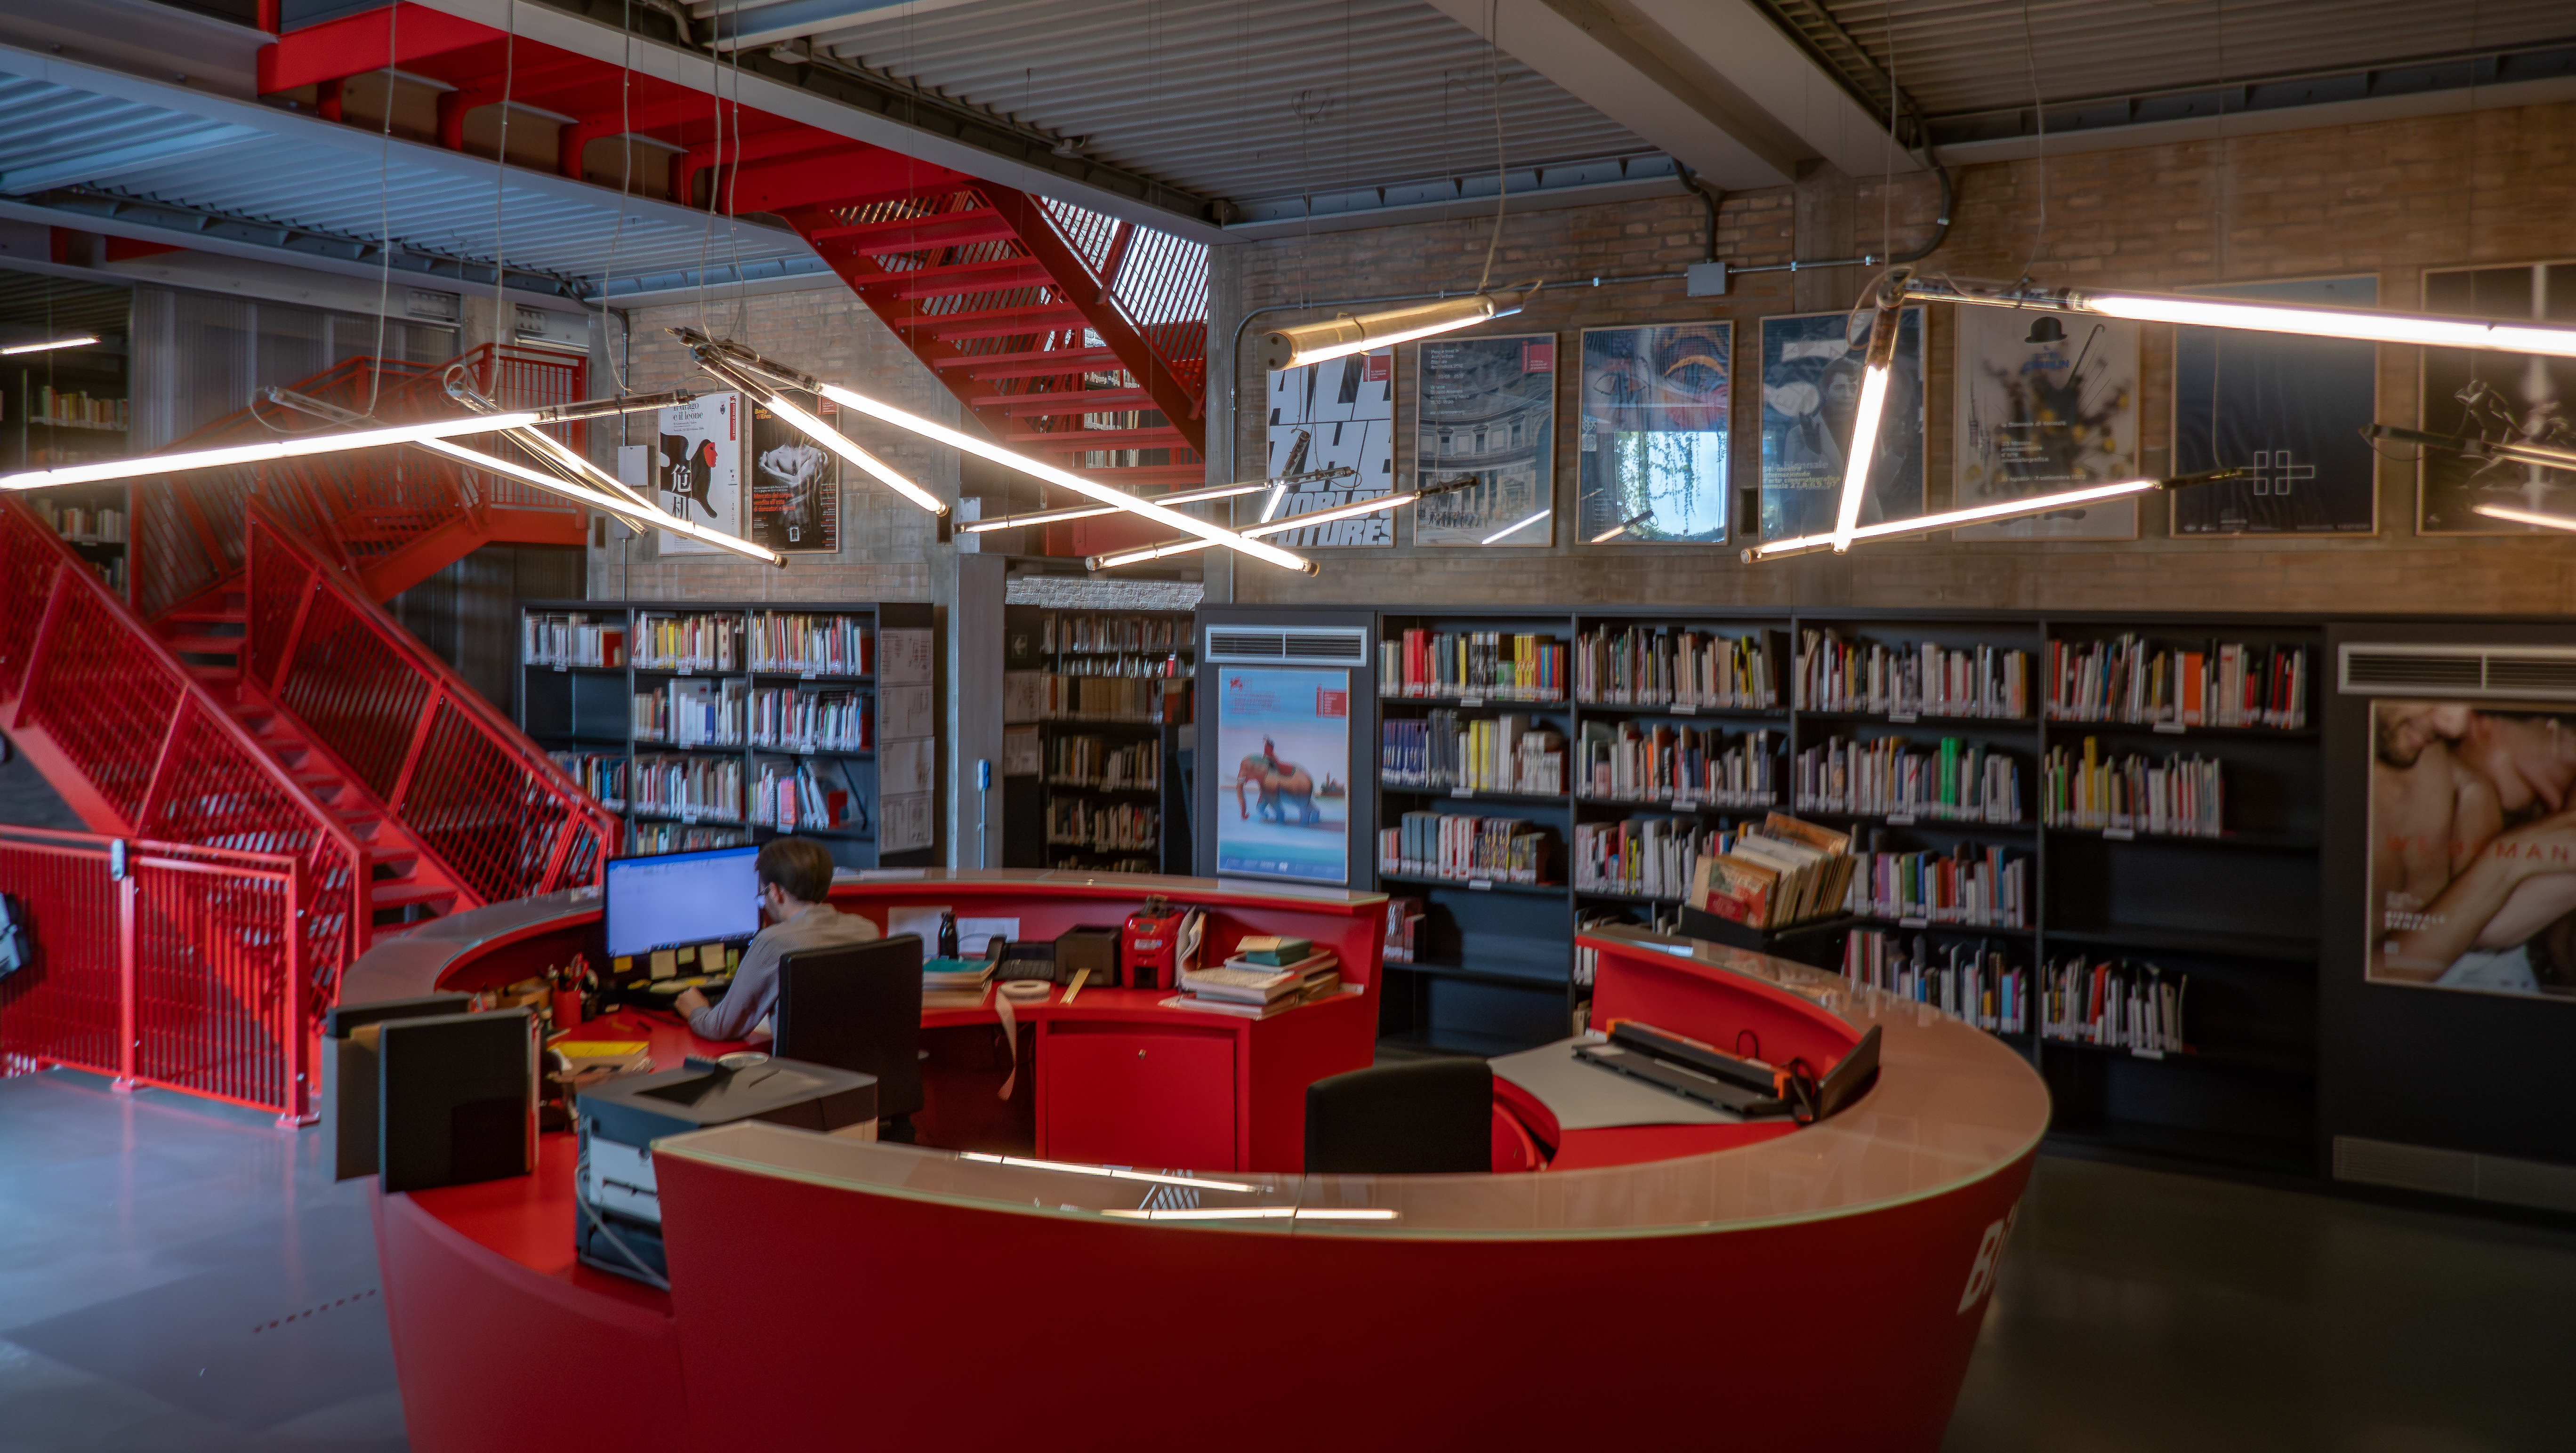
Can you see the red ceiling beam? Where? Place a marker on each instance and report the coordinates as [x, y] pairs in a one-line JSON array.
[[636, 120], [399, 35]]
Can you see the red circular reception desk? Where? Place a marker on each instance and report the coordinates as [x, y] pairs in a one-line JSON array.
[[1123, 1250]]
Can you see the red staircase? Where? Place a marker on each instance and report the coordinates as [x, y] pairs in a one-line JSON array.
[[1062, 332]]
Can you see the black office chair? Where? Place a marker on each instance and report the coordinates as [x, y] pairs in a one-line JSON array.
[[857, 1008], [1428, 1116]]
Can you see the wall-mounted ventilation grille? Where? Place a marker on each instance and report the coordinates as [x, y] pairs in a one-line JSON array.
[[1295, 645], [2418, 670]]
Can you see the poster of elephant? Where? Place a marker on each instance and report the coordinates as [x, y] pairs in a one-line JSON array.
[[1283, 738]]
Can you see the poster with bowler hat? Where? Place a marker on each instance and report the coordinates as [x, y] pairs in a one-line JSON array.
[[2045, 403], [696, 463]]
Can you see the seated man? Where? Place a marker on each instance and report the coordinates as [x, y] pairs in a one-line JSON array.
[[795, 880]]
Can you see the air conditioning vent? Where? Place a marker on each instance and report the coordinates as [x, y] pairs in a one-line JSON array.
[[2412, 670], [1302, 645]]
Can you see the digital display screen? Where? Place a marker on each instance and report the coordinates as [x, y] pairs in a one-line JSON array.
[[682, 898]]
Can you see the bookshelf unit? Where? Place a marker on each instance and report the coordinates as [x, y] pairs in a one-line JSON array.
[[717, 724], [67, 408], [1495, 966], [1097, 716]]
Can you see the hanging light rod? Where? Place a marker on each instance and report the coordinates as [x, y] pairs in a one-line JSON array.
[[1507, 531], [561, 456], [1085, 512], [15, 349], [2361, 325], [1877, 364], [2507, 449], [1353, 510], [710, 350], [1346, 333], [305, 445], [1979, 514], [1621, 528], [827, 436]]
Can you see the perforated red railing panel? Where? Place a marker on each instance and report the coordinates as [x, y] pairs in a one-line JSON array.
[[212, 1011], [354, 689], [63, 1007], [487, 814], [105, 697]]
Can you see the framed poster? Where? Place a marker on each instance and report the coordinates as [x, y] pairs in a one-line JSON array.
[[1811, 373], [795, 482], [1486, 407], [1337, 413], [1282, 736], [2289, 410], [2496, 396], [2045, 402], [697, 468], [1651, 465], [2471, 884]]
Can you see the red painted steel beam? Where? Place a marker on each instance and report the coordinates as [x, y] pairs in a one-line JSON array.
[[788, 140], [337, 49], [522, 87], [631, 120], [851, 176], [1179, 403]]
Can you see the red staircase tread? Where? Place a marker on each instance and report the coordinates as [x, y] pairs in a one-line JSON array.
[[962, 278], [1074, 441], [1065, 401], [995, 322], [911, 234], [1031, 363], [400, 893]]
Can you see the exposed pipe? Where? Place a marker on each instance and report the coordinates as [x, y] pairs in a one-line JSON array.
[[1940, 234], [1710, 195]]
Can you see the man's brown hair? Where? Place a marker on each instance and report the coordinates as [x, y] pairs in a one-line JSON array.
[[800, 866]]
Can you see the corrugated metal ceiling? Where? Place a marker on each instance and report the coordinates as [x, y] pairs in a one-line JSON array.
[[1222, 97], [35, 306], [254, 175], [1962, 56]]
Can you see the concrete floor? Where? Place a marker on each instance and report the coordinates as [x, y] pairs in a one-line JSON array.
[[176, 1275]]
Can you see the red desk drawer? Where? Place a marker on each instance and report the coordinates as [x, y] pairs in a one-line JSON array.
[[1143, 1097]]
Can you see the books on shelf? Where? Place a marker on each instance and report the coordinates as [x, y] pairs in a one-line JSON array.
[[1631, 761], [785, 719], [818, 645], [1064, 696], [1955, 780], [692, 714], [1659, 666], [2219, 684], [1103, 827], [1970, 980], [571, 639], [601, 774], [2136, 1007], [1081, 761], [1468, 849], [1404, 917], [1508, 753], [1113, 633], [78, 408], [698, 642], [2177, 797], [1499, 665], [655, 838], [1776, 874], [82, 523], [806, 794], [1643, 857], [1988, 887], [1925, 679], [689, 788]]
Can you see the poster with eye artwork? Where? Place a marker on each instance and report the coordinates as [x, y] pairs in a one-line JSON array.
[[1811, 374], [696, 464], [2045, 402], [1652, 461], [795, 482]]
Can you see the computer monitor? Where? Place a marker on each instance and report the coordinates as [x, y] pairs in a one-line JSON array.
[[679, 899], [856, 1007]]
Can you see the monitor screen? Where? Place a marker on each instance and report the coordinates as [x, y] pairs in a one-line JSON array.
[[682, 898]]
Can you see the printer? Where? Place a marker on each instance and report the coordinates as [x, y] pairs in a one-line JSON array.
[[619, 1228]]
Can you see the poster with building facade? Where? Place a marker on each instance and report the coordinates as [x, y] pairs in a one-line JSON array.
[[1485, 409]]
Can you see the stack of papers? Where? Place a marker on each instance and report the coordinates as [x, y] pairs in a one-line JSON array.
[[1255, 990]]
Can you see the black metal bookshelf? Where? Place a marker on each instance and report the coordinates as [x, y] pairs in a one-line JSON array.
[[851, 738], [1101, 702], [1497, 967]]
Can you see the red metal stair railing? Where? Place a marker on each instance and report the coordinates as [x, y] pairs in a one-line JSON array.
[[140, 748], [500, 818], [161, 964]]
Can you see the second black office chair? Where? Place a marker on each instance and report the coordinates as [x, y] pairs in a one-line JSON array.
[[858, 1008], [1425, 1117]]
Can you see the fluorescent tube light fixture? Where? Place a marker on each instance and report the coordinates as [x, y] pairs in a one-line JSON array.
[[1877, 364], [1510, 530], [641, 517], [1621, 528], [2008, 509], [1085, 512], [2359, 325], [827, 436], [714, 351], [1283, 348], [2525, 517], [292, 447], [1354, 509], [14, 350]]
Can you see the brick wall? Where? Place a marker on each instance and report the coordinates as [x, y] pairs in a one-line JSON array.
[[889, 549], [2390, 199]]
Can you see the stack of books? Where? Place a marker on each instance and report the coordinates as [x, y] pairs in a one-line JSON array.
[[954, 983], [1267, 975], [1783, 872]]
